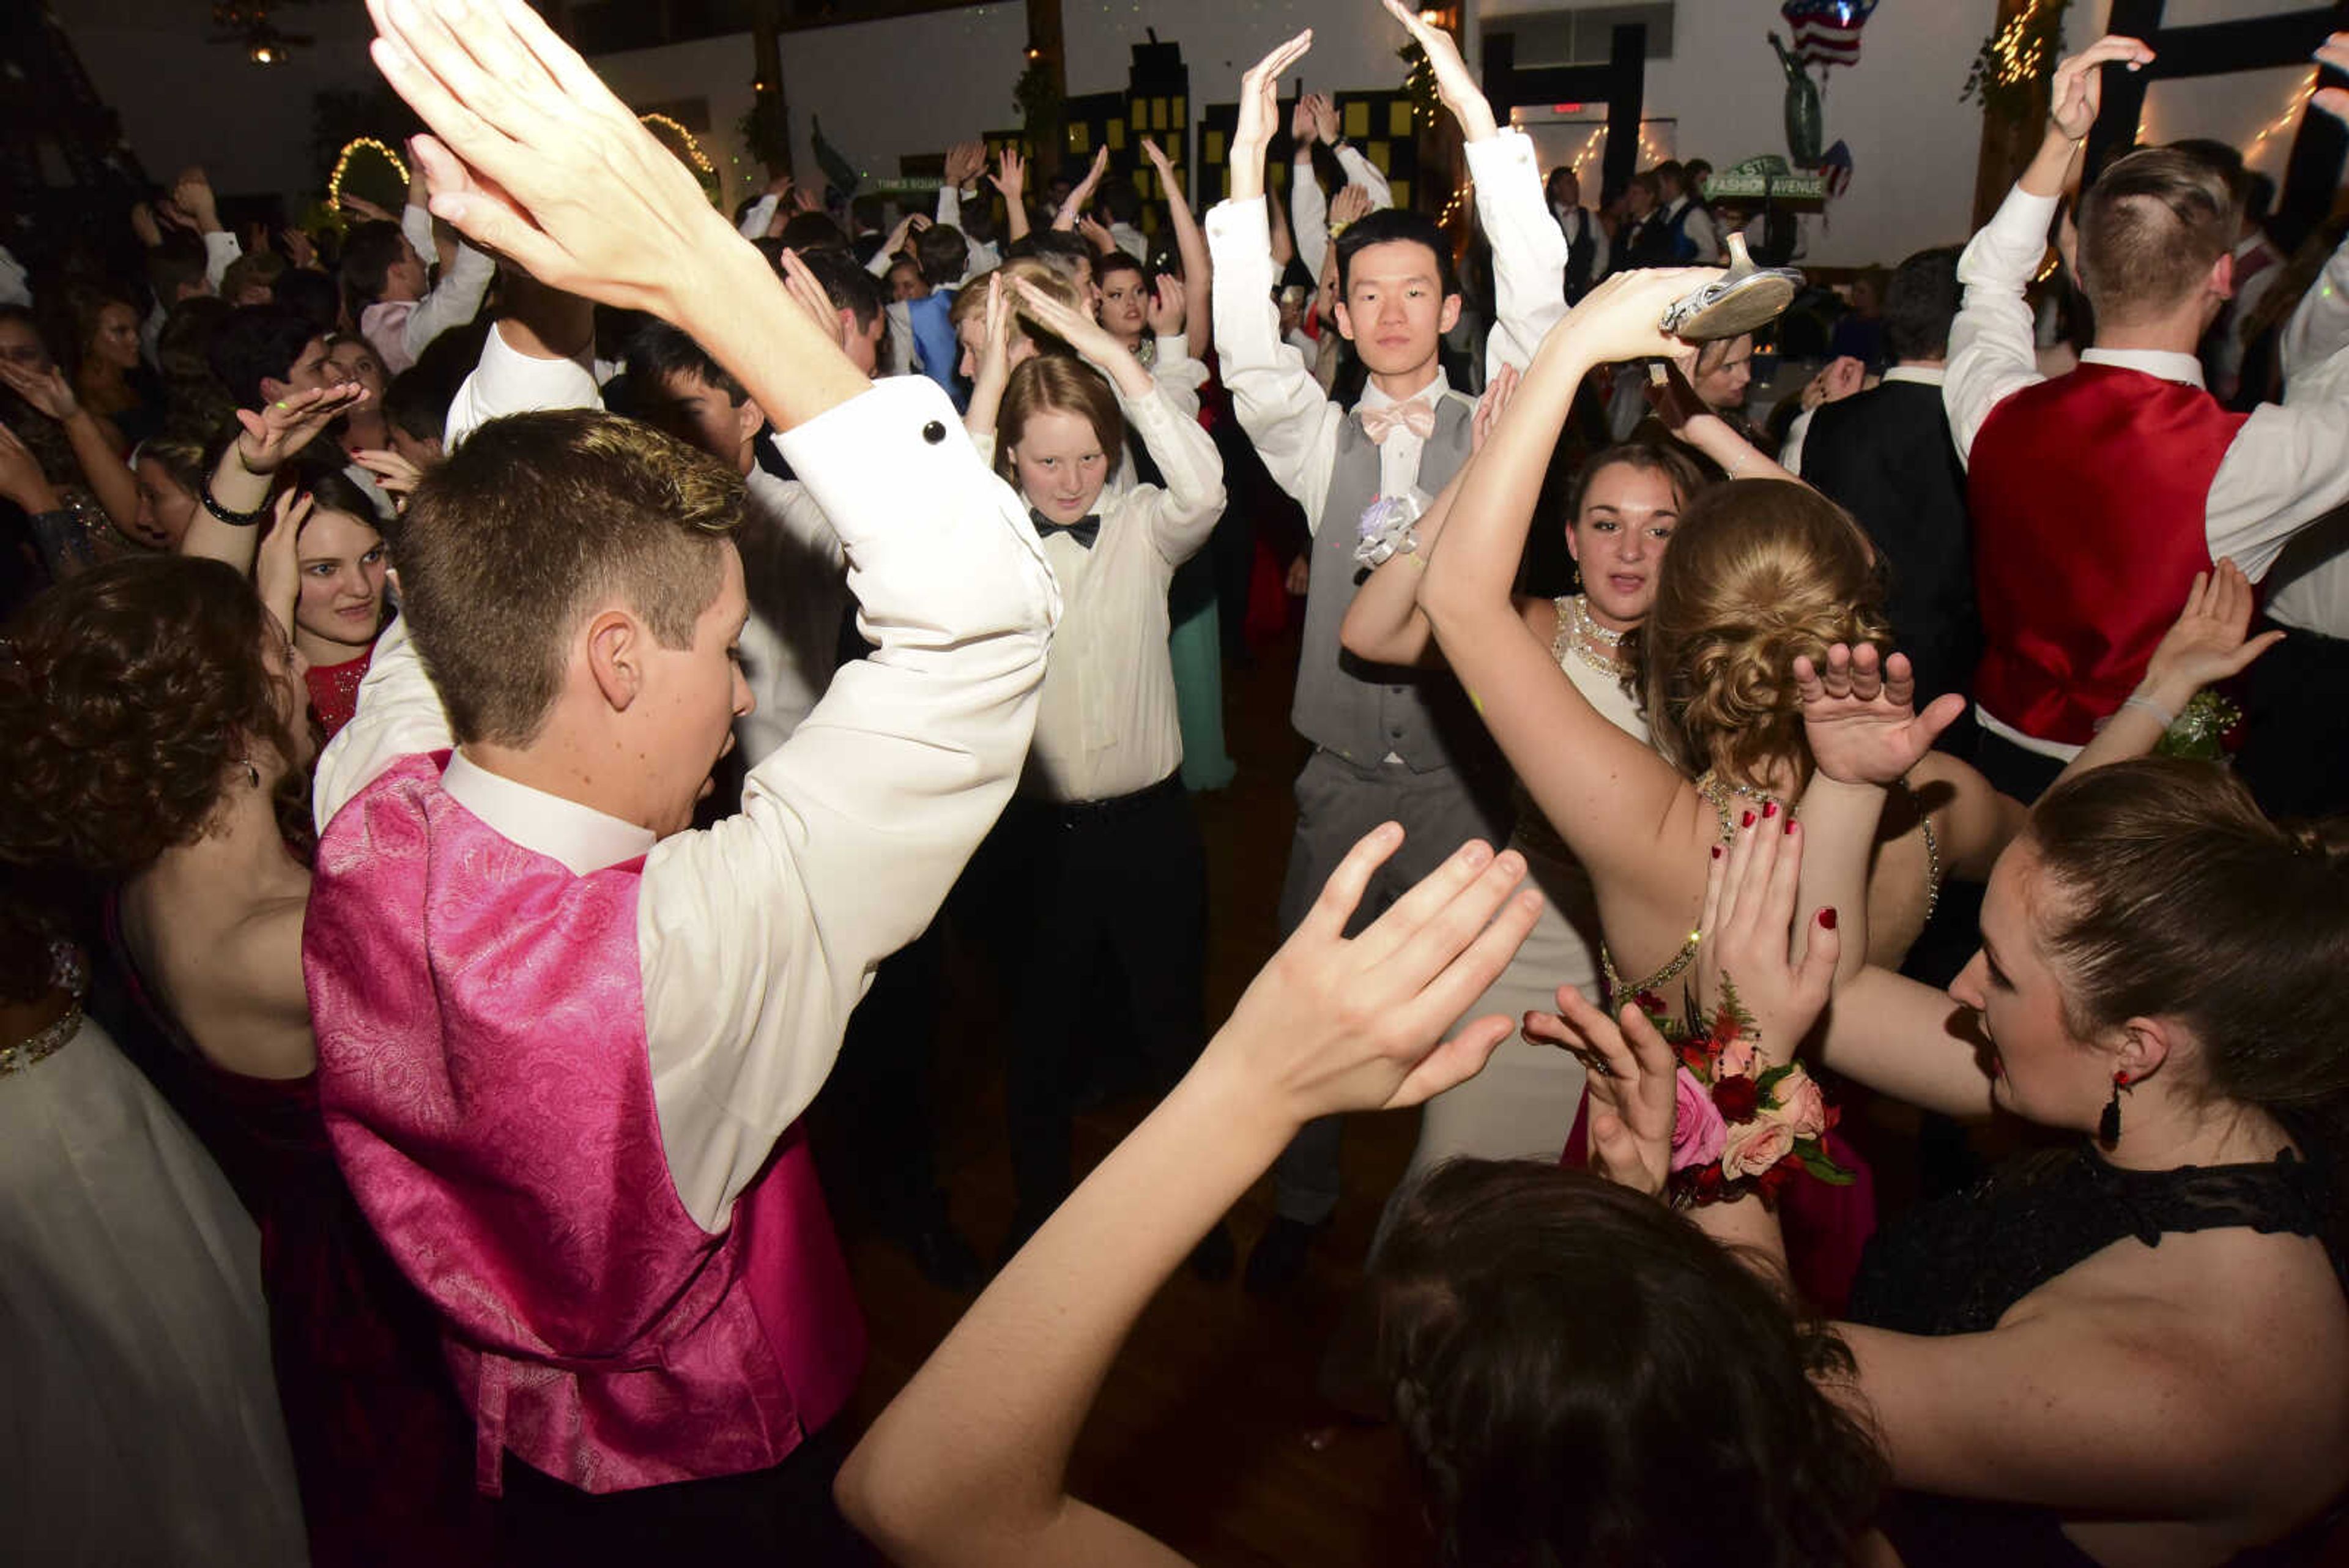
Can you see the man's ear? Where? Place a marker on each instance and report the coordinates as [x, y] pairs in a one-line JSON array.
[[2221, 280], [1345, 322], [275, 391], [1449, 316], [615, 646], [752, 419]]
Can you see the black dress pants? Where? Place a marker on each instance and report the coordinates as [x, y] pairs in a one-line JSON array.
[[1121, 884]]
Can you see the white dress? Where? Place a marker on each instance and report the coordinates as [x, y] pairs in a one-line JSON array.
[[1521, 1105], [140, 1421]]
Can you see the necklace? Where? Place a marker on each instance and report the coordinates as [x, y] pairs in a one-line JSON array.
[[1593, 644]]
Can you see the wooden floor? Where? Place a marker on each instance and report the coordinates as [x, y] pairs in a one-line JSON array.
[[1200, 1434]]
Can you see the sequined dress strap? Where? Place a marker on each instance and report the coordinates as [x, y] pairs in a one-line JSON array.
[[1710, 787]]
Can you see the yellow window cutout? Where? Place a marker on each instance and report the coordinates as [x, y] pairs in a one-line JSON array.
[[1358, 118]]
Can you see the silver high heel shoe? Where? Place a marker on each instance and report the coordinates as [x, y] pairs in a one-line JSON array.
[[1745, 298]]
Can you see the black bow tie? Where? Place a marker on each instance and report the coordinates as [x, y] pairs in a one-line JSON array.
[[1084, 531]]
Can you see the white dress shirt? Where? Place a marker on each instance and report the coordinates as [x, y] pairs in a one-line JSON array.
[[1699, 229], [505, 380], [1309, 209], [1288, 419], [978, 257], [1790, 456], [2288, 464], [796, 574], [758, 937], [1106, 725], [399, 329]]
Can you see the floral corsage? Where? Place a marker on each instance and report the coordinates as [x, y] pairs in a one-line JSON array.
[[1388, 528], [1737, 1130]]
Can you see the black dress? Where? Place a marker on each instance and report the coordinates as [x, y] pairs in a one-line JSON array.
[[1957, 1266]]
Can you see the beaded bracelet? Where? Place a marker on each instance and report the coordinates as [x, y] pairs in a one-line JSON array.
[[233, 519]]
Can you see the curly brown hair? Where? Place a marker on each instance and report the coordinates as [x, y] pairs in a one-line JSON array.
[[131, 693], [1760, 571]]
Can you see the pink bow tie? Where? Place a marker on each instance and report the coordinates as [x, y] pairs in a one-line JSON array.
[[1417, 416]]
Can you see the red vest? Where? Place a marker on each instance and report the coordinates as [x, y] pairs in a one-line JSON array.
[[482, 1060], [2090, 496]]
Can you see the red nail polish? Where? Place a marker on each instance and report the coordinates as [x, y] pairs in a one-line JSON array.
[[1746, 821], [1716, 852], [1769, 809], [1828, 917], [1790, 822]]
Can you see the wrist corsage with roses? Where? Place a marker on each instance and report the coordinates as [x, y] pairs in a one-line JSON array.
[[1739, 1124]]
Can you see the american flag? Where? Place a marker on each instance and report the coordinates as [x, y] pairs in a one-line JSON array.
[[1827, 31]]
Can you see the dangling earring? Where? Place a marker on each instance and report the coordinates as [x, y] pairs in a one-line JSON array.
[[251, 772], [2108, 1126]]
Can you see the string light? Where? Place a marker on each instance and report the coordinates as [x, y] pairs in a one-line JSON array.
[[1454, 205], [343, 164], [692, 148], [2148, 136], [2021, 54]]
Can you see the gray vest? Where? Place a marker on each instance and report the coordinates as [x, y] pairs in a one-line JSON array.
[[1362, 710]]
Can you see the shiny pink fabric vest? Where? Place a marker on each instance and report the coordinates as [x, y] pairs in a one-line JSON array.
[[482, 1064], [2090, 496]]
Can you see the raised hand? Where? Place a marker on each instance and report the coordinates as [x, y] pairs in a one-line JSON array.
[[1861, 718], [1837, 380], [1489, 407], [1454, 85], [1170, 180], [273, 434], [1168, 305], [300, 252], [192, 192], [1634, 1082], [1081, 197], [1010, 176], [142, 223], [1300, 123], [1325, 118], [2334, 102], [2206, 644], [1333, 1024], [278, 566], [964, 163], [20, 479], [1073, 326], [1745, 940], [1259, 115], [2077, 91], [397, 477], [1349, 205], [534, 158], [361, 208], [808, 290], [47, 390], [1618, 320], [1096, 236]]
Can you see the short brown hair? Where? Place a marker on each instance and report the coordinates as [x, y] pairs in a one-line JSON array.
[[1760, 571], [514, 539], [1058, 383], [2150, 228]]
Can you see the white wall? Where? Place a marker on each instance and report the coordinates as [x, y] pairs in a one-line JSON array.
[[915, 84]]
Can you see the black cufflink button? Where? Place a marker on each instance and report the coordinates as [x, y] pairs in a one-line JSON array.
[[934, 432]]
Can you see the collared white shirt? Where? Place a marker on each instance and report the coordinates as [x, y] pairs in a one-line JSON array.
[[1106, 724], [758, 936], [1290, 419], [1400, 452], [400, 330], [1308, 209], [2288, 464], [796, 574], [1699, 229]]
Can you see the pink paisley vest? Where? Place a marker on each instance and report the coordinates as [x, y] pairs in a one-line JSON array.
[[482, 1061]]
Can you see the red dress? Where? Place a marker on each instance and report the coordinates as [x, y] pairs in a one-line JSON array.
[[382, 1446], [335, 690]]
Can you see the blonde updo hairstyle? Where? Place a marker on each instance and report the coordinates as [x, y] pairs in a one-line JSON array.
[[1760, 571]]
